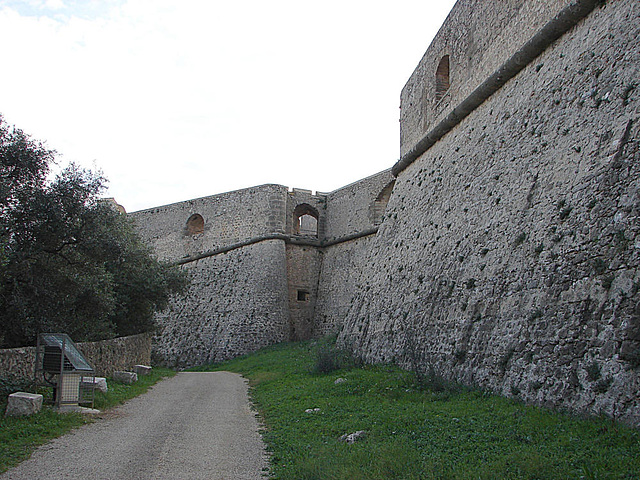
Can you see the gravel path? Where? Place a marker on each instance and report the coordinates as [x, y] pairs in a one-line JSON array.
[[194, 425]]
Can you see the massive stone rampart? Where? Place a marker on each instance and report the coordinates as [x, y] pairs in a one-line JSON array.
[[506, 252], [509, 254], [480, 46], [354, 210], [256, 260], [237, 303]]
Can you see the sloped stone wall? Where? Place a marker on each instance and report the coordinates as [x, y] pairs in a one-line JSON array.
[[341, 266], [509, 255], [352, 209], [237, 303]]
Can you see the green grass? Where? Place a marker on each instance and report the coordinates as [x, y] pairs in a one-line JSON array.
[[19, 436], [415, 432], [119, 393]]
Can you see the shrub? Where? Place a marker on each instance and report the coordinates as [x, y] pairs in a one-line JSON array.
[[427, 379], [602, 386], [329, 359]]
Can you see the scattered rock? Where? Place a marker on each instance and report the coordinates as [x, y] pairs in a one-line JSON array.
[[125, 377], [353, 437], [77, 409], [22, 403], [142, 369], [98, 383], [339, 381]]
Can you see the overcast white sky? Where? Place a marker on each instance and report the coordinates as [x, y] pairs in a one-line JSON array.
[[175, 100]]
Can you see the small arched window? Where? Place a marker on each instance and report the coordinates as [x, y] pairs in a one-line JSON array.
[[195, 224], [442, 77], [305, 220], [378, 207]]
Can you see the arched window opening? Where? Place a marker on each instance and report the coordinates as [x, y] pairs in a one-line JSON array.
[[379, 206], [307, 225], [195, 224], [305, 220], [442, 77]]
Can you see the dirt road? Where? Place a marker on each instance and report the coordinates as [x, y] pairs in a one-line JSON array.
[[192, 426]]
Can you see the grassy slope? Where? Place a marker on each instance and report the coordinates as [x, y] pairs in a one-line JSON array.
[[19, 436], [415, 433]]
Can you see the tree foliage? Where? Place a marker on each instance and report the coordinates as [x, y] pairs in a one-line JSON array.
[[68, 260]]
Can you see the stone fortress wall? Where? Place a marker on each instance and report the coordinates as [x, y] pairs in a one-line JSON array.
[[509, 254], [353, 212], [501, 250], [256, 258]]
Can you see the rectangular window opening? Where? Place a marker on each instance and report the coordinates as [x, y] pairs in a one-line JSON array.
[[303, 296]]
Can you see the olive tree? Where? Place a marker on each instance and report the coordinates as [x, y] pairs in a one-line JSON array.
[[68, 260]]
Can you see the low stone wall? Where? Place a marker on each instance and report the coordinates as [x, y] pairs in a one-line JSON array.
[[106, 356], [17, 362], [122, 353]]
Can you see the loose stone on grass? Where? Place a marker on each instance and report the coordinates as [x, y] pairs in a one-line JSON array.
[[354, 437], [142, 369], [125, 377], [97, 383], [23, 403]]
